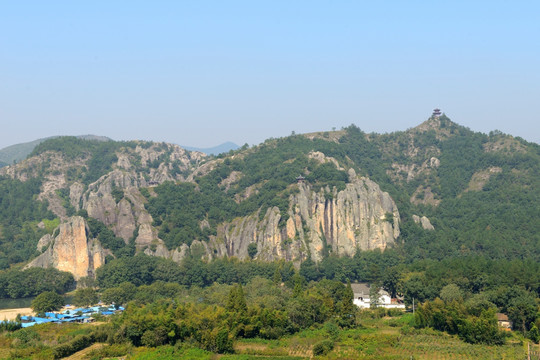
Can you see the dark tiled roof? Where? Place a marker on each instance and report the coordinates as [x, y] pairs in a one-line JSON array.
[[361, 288]]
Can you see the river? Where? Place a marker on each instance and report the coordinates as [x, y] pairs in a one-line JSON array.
[[24, 302]]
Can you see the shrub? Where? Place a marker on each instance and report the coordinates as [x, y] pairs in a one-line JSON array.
[[78, 343], [9, 325], [323, 347]]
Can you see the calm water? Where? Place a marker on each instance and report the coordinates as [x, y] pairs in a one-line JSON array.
[[24, 302], [15, 303]]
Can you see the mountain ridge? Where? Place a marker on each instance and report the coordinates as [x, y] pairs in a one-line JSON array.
[[18, 152], [246, 203]]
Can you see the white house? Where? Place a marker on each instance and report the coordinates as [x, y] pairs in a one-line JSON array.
[[362, 299]]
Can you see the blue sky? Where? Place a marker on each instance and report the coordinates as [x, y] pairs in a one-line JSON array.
[[200, 73]]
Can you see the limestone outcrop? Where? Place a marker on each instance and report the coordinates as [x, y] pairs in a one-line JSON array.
[[71, 250]]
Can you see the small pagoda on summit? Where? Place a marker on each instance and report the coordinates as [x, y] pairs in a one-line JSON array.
[[300, 179], [436, 113]]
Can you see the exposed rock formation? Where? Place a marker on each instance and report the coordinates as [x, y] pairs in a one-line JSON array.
[[71, 250], [424, 195], [322, 158], [480, 178], [424, 221], [317, 222], [360, 217]]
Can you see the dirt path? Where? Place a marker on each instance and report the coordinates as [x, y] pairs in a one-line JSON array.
[[82, 354], [11, 314]]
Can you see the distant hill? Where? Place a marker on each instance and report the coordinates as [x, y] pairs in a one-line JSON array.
[[216, 150], [19, 152]]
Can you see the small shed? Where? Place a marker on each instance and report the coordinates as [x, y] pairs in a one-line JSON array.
[[503, 321]]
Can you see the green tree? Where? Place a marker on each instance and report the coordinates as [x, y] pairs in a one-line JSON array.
[[299, 282], [374, 298], [277, 279], [522, 311], [47, 301], [85, 297], [482, 329], [534, 334], [391, 280], [237, 301], [119, 295], [252, 250], [224, 343], [347, 307], [451, 292]]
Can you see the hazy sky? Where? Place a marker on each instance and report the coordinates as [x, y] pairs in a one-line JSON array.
[[200, 73]]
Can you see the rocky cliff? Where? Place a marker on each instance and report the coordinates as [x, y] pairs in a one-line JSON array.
[[319, 220], [360, 217], [114, 199], [71, 250]]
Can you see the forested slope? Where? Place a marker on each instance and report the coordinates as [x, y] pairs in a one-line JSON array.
[[480, 192]]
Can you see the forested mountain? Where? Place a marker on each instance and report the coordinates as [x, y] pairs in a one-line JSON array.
[[18, 152], [437, 191]]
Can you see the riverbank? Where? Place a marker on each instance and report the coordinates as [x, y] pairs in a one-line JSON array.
[[11, 314]]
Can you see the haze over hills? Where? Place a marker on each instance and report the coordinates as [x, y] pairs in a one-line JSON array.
[[216, 150], [18, 152]]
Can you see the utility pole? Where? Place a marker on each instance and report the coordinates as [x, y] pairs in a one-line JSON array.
[[413, 306]]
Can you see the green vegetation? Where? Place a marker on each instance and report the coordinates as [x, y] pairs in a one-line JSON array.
[[100, 154], [108, 240], [481, 193], [85, 297], [19, 216], [47, 301], [455, 318], [275, 323], [78, 343], [510, 286], [15, 153], [10, 325], [179, 208], [251, 180], [32, 282]]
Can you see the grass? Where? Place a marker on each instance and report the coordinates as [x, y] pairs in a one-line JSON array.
[[377, 338], [380, 338]]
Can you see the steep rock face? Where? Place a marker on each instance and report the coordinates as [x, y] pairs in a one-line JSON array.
[[142, 167], [360, 217], [72, 250], [52, 166], [100, 204]]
